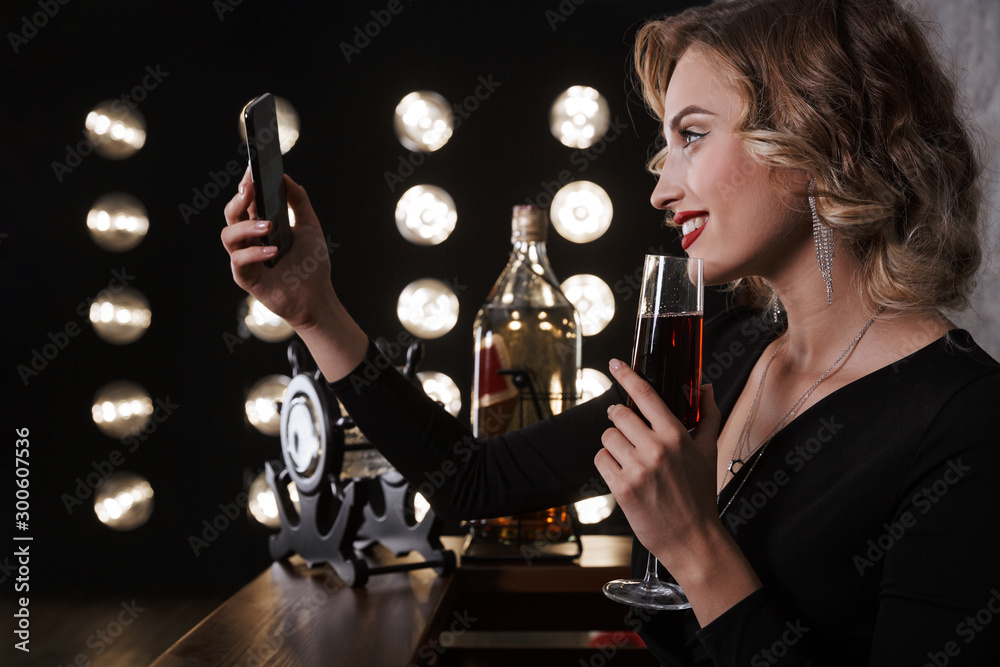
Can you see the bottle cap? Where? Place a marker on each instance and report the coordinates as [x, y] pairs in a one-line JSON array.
[[528, 224]]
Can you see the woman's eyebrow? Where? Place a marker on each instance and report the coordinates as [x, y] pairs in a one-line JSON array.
[[676, 120]]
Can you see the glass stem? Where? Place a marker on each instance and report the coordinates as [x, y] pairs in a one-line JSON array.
[[651, 580]]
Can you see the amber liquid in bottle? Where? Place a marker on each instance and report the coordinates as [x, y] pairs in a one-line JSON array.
[[528, 349]]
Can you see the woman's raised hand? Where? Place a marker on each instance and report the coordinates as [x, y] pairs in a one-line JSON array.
[[299, 285]]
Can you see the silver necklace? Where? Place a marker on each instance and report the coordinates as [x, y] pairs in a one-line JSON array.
[[745, 432]]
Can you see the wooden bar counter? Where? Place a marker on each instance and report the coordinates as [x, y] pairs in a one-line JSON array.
[[485, 613]]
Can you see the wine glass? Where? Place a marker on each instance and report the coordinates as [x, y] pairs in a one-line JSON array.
[[667, 353]]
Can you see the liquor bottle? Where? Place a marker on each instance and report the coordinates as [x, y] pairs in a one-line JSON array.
[[527, 366]]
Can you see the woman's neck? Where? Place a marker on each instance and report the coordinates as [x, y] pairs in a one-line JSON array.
[[819, 331]]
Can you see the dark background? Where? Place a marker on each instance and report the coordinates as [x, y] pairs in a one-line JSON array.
[[216, 57]]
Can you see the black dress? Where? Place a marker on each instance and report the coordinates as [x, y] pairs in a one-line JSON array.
[[869, 518]]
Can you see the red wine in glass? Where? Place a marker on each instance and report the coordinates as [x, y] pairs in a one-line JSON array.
[[667, 353]]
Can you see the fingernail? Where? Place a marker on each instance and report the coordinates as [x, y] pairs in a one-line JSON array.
[[242, 189], [270, 250], [261, 224], [615, 364]]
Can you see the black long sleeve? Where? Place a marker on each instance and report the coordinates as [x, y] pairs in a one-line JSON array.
[[547, 464]]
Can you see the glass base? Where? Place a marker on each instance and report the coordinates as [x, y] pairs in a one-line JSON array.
[[638, 594]]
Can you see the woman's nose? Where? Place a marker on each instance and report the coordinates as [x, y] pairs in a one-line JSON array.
[[667, 189]]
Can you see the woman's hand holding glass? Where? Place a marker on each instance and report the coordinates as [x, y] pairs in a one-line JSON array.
[[661, 475]]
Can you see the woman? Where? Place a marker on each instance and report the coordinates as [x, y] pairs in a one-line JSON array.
[[824, 511]]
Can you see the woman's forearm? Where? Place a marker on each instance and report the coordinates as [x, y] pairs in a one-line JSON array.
[[336, 342]]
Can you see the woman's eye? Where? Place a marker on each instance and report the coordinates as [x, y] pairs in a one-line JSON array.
[[688, 135]]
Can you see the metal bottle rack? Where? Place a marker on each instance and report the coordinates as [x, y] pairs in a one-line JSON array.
[[341, 513]]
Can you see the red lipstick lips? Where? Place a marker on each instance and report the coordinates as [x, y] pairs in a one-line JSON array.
[[683, 216], [692, 223]]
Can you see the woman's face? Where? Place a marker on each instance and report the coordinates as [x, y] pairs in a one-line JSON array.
[[730, 214]]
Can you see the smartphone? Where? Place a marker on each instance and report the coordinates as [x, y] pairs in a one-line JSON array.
[[267, 172]]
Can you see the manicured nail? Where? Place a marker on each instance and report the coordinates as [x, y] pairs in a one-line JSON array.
[[615, 364], [270, 250], [243, 189], [261, 224]]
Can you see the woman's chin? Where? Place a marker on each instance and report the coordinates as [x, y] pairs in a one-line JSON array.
[[715, 276]]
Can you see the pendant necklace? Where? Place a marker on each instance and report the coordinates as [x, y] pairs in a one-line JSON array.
[[743, 440]]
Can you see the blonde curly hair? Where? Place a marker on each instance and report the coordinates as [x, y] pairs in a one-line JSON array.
[[850, 92]]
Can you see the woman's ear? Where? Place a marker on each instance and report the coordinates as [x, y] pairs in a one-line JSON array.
[[797, 183]]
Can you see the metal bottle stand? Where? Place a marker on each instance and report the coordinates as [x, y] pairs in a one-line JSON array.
[[339, 517], [569, 549]]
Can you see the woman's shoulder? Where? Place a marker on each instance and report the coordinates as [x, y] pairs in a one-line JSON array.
[[955, 360], [946, 399], [971, 374], [949, 376], [960, 343], [949, 390]]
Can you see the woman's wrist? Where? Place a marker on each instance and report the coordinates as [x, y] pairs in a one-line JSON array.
[[335, 341], [714, 574]]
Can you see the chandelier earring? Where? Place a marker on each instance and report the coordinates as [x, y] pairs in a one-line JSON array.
[[823, 240]]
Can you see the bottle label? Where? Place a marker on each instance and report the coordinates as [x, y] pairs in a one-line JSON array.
[[493, 387]]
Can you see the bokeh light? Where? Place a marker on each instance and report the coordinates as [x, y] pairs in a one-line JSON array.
[[581, 211], [593, 299], [420, 507], [121, 409], [124, 501], [120, 318], [263, 403], [117, 222], [262, 323], [288, 123], [428, 308], [423, 121], [593, 383], [425, 215], [579, 117], [115, 130], [443, 389], [263, 506], [594, 510]]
